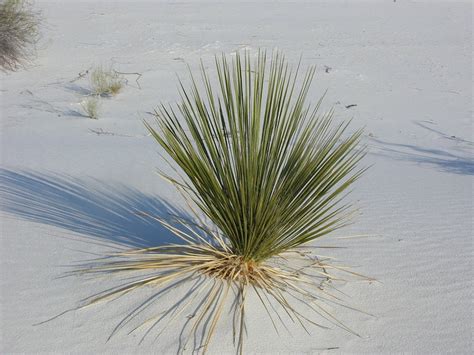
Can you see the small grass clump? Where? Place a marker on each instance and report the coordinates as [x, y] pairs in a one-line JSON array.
[[105, 82], [265, 175], [91, 106], [19, 33]]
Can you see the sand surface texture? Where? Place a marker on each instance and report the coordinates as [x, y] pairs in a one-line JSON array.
[[70, 184]]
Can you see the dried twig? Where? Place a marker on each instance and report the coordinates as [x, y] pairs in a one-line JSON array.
[[139, 75]]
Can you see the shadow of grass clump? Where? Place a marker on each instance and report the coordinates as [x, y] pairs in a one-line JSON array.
[[105, 211]]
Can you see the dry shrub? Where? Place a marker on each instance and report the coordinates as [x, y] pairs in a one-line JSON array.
[[19, 33], [105, 82], [91, 106]]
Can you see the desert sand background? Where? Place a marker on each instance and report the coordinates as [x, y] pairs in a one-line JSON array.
[[70, 184]]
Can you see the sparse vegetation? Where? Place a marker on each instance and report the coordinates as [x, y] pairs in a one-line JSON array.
[[19, 33], [105, 81], [91, 106], [268, 172]]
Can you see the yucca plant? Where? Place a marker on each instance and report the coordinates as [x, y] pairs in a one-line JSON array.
[[264, 174]]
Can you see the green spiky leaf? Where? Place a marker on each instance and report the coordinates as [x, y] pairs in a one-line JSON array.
[[264, 166]]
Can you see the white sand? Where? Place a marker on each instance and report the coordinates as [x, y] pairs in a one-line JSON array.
[[405, 64]]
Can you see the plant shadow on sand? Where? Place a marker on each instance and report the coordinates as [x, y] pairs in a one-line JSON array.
[[108, 212], [78, 89], [445, 161], [101, 212]]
